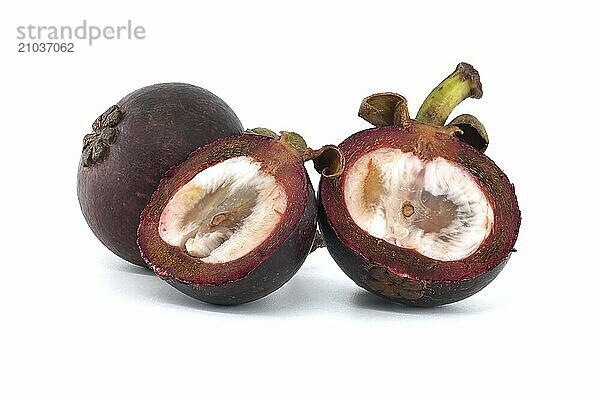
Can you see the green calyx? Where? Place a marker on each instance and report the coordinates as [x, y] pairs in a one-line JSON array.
[[263, 132], [295, 141], [291, 139]]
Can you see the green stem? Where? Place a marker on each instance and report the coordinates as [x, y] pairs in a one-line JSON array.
[[462, 83]]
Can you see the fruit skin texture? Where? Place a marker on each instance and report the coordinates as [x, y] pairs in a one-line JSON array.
[[380, 281], [403, 275], [153, 129], [264, 269]]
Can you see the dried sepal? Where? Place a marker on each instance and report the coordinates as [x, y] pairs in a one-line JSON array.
[[112, 117], [328, 160], [388, 284], [294, 140], [104, 133], [89, 139], [262, 132], [108, 135], [86, 156], [99, 151], [471, 131], [384, 109]]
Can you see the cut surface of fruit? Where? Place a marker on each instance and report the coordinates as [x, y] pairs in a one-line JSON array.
[[224, 211], [420, 215], [420, 202], [223, 216], [434, 207]]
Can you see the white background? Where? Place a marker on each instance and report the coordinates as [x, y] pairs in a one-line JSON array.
[[77, 322]]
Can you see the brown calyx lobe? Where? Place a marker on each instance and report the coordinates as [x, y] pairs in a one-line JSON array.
[[385, 109], [276, 159], [427, 142], [104, 133], [391, 285]]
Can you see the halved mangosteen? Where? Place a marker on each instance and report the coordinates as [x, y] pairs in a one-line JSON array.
[[235, 221], [420, 215]]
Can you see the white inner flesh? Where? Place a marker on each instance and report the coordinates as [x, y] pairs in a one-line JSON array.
[[224, 212], [435, 208]]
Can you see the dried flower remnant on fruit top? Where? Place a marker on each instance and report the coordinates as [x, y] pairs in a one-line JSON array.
[[104, 133]]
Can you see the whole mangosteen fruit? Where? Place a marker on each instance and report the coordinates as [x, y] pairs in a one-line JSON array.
[[420, 215], [132, 145], [236, 220]]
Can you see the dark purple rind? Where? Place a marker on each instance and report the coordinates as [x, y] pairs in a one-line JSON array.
[[416, 292], [268, 276], [428, 142], [161, 125]]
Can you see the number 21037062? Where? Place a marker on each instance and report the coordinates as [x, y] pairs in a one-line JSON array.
[[46, 47]]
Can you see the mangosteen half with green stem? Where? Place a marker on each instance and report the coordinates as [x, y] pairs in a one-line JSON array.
[[420, 215]]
